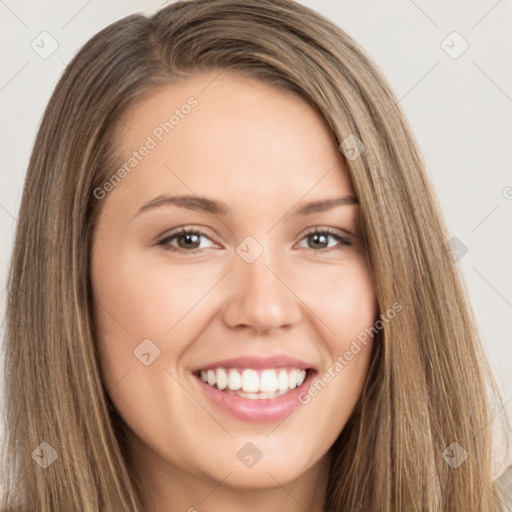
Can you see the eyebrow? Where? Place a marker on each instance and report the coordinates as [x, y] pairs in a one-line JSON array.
[[219, 208]]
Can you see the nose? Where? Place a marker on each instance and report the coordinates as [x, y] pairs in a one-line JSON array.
[[261, 298]]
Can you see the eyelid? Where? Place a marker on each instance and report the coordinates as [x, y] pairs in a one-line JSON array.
[[321, 229], [186, 228]]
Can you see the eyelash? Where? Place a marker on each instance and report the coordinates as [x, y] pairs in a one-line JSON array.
[[164, 242]]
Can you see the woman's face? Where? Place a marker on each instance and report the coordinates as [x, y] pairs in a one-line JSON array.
[[251, 297]]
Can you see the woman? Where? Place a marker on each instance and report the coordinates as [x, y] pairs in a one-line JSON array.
[[252, 369]]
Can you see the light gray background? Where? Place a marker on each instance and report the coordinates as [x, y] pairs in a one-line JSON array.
[[460, 110]]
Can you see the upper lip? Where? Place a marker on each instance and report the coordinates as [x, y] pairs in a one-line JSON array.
[[258, 362]]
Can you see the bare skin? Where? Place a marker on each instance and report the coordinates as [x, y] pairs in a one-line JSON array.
[[264, 153]]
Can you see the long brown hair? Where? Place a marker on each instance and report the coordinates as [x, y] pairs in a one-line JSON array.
[[428, 384]]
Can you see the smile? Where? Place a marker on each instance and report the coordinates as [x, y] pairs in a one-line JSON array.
[[254, 384]]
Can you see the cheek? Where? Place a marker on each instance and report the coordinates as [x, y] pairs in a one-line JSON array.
[[135, 301], [342, 298], [345, 305], [356, 305], [141, 305]]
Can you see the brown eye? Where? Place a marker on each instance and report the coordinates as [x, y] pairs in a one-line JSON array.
[[187, 240], [190, 240], [318, 239]]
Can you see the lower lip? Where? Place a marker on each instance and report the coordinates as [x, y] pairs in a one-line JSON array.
[[264, 410]]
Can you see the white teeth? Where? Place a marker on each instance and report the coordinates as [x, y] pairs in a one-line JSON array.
[[268, 381], [292, 380], [250, 381], [282, 380], [222, 379], [269, 384], [234, 380]]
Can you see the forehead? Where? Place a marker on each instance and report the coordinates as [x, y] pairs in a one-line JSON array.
[[228, 136]]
